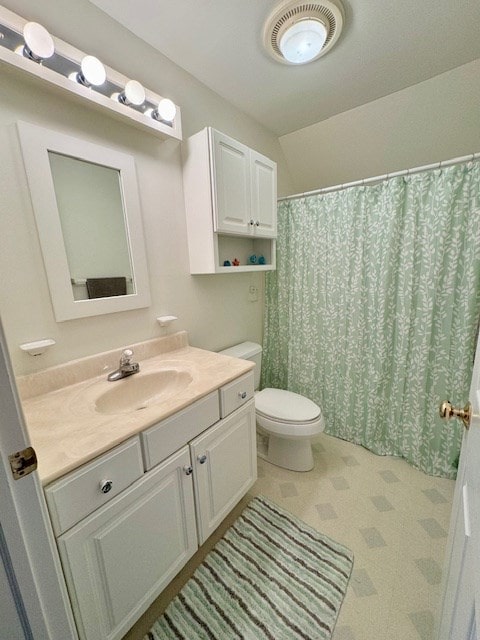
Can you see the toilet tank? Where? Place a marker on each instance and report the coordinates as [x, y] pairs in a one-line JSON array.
[[247, 351]]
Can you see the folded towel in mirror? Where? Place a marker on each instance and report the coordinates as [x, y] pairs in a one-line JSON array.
[[106, 287]]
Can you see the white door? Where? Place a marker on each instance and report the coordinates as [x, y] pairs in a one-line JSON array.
[[460, 606], [27, 546], [14, 624], [231, 189]]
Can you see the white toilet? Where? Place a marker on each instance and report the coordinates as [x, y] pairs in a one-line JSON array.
[[287, 419]]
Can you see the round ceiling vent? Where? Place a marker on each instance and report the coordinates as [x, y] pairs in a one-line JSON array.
[[299, 32]]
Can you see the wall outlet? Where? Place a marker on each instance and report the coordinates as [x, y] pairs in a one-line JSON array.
[[253, 293]]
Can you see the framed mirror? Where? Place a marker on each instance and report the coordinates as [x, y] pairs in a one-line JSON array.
[[87, 211]]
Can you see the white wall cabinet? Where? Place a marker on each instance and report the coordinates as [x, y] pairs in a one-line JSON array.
[[231, 203], [119, 557], [244, 188]]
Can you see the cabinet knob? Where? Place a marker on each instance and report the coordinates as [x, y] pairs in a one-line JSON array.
[[257, 223], [252, 222], [188, 469], [106, 485], [242, 395], [202, 459]]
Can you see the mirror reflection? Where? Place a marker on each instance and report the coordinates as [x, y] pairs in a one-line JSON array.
[[91, 211]]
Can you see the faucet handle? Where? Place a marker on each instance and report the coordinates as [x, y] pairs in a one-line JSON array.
[[126, 356]]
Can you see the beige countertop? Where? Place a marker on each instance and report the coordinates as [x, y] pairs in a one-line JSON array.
[[65, 428]]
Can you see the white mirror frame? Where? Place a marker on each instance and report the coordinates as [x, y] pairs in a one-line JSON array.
[[36, 142]]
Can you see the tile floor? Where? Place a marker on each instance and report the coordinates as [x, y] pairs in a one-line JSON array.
[[394, 518]]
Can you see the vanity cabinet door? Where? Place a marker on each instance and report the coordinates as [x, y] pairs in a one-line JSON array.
[[225, 467], [231, 179], [120, 558]]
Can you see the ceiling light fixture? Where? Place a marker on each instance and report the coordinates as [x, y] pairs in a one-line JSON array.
[[298, 32]]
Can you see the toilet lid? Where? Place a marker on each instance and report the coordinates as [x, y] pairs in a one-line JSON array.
[[286, 405]]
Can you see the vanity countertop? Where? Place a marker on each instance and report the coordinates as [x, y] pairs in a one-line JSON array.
[[59, 403]]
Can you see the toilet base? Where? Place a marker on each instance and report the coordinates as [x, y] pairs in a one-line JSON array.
[[290, 453]]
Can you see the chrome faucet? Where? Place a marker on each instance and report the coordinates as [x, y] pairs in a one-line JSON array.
[[125, 368]]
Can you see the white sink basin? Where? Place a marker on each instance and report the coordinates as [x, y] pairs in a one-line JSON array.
[[141, 391]]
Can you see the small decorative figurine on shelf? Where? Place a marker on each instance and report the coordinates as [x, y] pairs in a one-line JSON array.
[[227, 263], [252, 259], [235, 262], [261, 260]]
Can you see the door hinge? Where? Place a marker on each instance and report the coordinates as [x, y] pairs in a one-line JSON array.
[[23, 462]]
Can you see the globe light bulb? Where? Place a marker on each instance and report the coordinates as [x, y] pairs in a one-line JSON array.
[[166, 110], [38, 42], [92, 72], [133, 94], [303, 41]]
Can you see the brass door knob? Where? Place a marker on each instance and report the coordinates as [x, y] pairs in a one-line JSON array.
[[447, 411]]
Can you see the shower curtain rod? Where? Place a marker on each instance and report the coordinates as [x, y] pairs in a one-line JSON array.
[[395, 174]]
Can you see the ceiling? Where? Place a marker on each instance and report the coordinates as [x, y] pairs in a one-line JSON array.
[[385, 46]]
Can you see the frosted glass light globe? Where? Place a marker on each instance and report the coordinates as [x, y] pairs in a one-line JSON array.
[[92, 71], [38, 42], [166, 110], [303, 41], [134, 93]]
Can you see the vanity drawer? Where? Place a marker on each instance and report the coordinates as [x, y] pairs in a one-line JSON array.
[[80, 492], [236, 393], [171, 434]]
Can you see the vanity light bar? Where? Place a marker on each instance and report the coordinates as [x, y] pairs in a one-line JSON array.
[[28, 47]]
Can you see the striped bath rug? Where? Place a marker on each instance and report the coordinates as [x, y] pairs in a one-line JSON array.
[[271, 577]]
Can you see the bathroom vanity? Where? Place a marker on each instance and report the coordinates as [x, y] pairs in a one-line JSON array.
[[139, 479]]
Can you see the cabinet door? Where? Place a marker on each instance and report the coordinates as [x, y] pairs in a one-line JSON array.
[[120, 558], [225, 467], [264, 195], [231, 185]]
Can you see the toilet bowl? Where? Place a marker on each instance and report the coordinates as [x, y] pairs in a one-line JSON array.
[[287, 420]]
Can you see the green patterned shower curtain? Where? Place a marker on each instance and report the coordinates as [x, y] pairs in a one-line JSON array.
[[374, 308]]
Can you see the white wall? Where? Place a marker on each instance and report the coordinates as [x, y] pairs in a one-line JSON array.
[[434, 120], [214, 309]]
